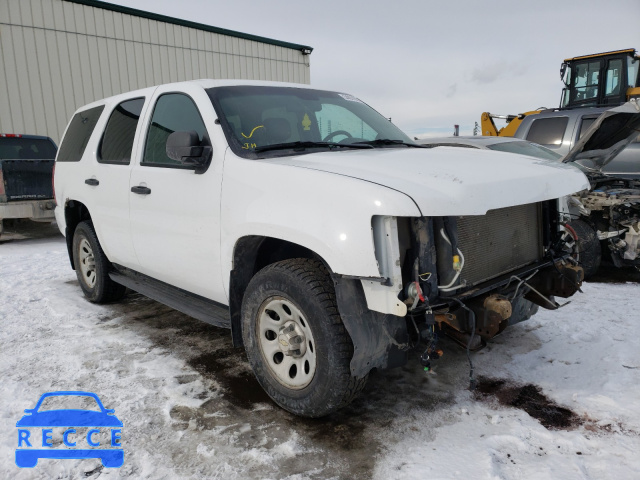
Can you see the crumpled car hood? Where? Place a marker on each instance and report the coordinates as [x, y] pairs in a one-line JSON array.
[[450, 181], [609, 135]]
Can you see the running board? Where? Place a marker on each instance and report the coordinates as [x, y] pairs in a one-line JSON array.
[[188, 303]]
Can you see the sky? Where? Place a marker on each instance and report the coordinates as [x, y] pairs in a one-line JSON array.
[[430, 64]]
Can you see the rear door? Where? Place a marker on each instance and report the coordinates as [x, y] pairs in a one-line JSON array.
[[107, 184], [175, 212]]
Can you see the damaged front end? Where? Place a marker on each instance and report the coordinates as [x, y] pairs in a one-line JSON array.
[[467, 277], [612, 209]]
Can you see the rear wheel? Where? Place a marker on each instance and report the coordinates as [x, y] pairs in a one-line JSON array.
[[296, 343], [92, 267], [587, 251]]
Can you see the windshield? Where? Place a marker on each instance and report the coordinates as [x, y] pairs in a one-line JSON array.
[[261, 121], [525, 148]]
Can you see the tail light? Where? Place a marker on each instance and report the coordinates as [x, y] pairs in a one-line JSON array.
[[10, 135], [53, 183]]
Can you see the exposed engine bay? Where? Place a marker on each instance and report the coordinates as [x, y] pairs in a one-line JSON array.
[[612, 208], [470, 277], [466, 277]]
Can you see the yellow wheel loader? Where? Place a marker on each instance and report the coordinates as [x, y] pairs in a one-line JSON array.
[[604, 79]]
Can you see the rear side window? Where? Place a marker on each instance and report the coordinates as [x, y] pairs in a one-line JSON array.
[[78, 134], [174, 112], [584, 126], [20, 148], [548, 131], [117, 141]]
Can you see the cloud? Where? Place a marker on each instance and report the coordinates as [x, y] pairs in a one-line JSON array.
[[451, 91], [490, 72]]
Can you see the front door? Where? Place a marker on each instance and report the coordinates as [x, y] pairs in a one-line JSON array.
[[175, 212]]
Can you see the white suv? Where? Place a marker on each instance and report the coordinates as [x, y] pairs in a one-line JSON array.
[[327, 240]]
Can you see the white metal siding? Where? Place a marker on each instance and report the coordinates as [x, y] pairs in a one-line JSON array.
[[56, 56]]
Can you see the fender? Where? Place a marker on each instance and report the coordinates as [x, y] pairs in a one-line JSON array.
[[379, 340]]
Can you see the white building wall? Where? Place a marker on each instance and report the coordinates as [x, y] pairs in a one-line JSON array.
[[56, 56]]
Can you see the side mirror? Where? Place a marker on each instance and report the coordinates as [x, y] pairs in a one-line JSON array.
[[185, 147], [563, 70]]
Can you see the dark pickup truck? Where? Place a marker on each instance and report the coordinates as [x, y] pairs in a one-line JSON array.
[[26, 171]]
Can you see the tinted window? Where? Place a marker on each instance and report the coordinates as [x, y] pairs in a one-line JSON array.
[[78, 134], [525, 148], [174, 112], [584, 126], [13, 148], [548, 131], [117, 141]]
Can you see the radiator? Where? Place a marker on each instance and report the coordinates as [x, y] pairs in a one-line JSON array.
[[499, 242]]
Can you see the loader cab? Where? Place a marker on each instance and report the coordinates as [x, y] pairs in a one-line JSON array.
[[604, 79]]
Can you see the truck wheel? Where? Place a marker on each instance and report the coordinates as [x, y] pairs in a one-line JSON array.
[[92, 267], [588, 252], [296, 343]]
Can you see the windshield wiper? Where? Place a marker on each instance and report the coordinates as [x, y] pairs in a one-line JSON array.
[[388, 141], [305, 145]]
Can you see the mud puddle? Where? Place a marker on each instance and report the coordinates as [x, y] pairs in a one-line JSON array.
[[530, 399], [241, 387]]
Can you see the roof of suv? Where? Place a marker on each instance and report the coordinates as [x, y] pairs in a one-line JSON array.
[[203, 83]]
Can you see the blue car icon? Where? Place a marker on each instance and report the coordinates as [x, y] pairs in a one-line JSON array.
[[28, 457]]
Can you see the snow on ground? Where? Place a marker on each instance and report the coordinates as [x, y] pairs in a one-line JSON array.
[[585, 357], [191, 408]]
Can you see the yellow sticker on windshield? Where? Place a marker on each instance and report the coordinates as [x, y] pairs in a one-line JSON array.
[[251, 134], [306, 122]]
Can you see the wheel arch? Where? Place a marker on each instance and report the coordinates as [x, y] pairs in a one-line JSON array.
[[250, 255], [74, 213]]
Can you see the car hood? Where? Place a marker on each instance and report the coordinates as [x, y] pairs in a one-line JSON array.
[[609, 135], [450, 181]]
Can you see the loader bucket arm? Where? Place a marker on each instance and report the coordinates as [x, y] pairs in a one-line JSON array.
[[489, 128]]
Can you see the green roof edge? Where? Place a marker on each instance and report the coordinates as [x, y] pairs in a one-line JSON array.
[[186, 23]]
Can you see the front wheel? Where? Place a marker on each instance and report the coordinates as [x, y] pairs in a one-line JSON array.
[[296, 343], [587, 251], [92, 267]]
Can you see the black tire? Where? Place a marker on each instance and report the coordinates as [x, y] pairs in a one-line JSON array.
[[92, 267], [305, 285], [588, 252]]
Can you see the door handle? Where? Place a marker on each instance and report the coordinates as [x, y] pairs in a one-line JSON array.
[[140, 190], [92, 181]]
